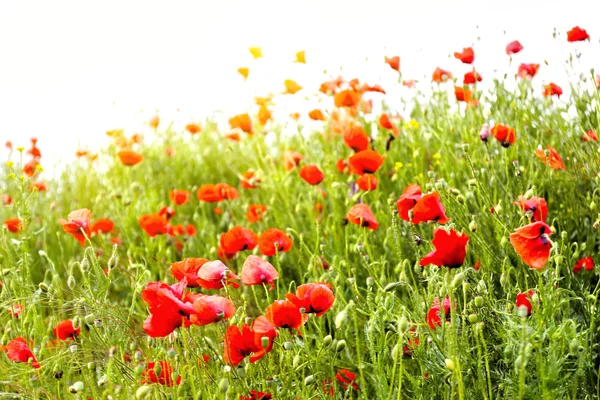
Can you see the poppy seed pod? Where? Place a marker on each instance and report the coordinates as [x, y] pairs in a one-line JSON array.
[[309, 380], [223, 385], [479, 301], [143, 392]]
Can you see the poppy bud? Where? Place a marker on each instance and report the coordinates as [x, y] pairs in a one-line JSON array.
[[296, 360], [84, 265], [481, 286], [104, 379], [91, 366], [449, 364], [138, 355], [403, 324], [441, 184], [71, 282], [143, 391], [309, 380], [503, 279], [473, 318], [78, 386], [523, 311], [43, 287], [574, 346], [564, 235], [472, 182], [503, 241], [241, 372], [465, 147], [466, 287], [360, 247], [473, 226], [365, 258], [458, 278], [264, 342], [288, 346], [341, 318], [341, 345], [171, 353], [479, 301], [223, 385], [370, 281], [73, 348]]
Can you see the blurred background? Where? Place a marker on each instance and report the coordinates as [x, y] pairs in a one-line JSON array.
[[71, 70]]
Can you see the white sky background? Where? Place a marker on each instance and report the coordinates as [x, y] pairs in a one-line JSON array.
[[70, 70]]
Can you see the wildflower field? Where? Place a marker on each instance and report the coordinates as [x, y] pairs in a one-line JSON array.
[[445, 254]]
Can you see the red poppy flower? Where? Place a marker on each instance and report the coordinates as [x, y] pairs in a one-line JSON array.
[[433, 315], [255, 212], [577, 35], [531, 242], [227, 192], [65, 330], [463, 94], [342, 165], [153, 224], [241, 121], [536, 207], [504, 134], [240, 344], [193, 128], [14, 225], [471, 78], [78, 224], [39, 186], [215, 275], [6, 200], [513, 47], [209, 193], [165, 377], [346, 379], [291, 159], [450, 249], [249, 180], [211, 309], [15, 310], [586, 264], [408, 199], [273, 241], [285, 314], [179, 197], [393, 62], [590, 136], [356, 138], [103, 225], [254, 395], [439, 75], [130, 157], [257, 271], [467, 56], [18, 351], [347, 98], [367, 182], [188, 268], [166, 212], [316, 115], [361, 215], [550, 157], [409, 83], [524, 300], [312, 298], [429, 208], [167, 309], [238, 239], [386, 123], [190, 230], [528, 70], [552, 89], [312, 174], [366, 162]]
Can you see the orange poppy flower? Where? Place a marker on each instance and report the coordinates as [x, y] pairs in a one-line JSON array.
[[440, 75], [31, 168], [227, 192], [273, 241], [301, 57], [153, 224], [342, 165], [190, 230], [590, 135], [291, 86], [429, 208], [78, 224], [154, 121], [255, 212], [193, 128], [504, 134], [386, 123], [409, 83], [256, 52], [450, 249], [550, 157], [130, 157], [408, 200], [249, 180], [313, 298], [462, 94], [532, 243], [264, 115], [552, 89], [209, 193], [367, 182], [14, 225], [241, 121], [316, 115], [361, 215], [39, 186], [291, 159], [356, 138], [312, 174], [347, 98], [233, 136], [179, 197], [471, 78], [188, 268], [237, 239], [239, 344], [366, 162], [528, 70], [577, 35], [103, 225], [285, 314], [243, 72], [393, 62], [467, 56]]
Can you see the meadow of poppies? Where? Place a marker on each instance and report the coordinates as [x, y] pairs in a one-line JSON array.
[[449, 253]]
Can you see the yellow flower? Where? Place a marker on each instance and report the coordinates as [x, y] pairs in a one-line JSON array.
[[437, 156], [9, 164], [398, 165]]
